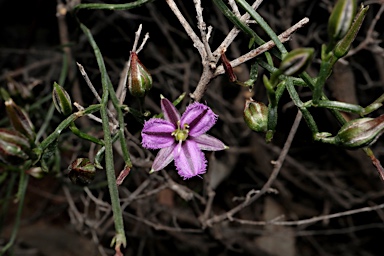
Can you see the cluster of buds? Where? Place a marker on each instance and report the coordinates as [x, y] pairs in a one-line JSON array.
[[14, 146], [16, 143], [20, 120]]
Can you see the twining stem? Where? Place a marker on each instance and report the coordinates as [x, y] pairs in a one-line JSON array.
[[306, 114], [84, 135], [64, 124], [119, 238], [311, 84], [325, 71], [120, 117]]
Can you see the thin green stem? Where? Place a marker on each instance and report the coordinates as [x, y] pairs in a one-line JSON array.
[[23, 182], [119, 238], [64, 124], [126, 6], [311, 84], [380, 99], [271, 69], [341, 106], [263, 25], [120, 118], [83, 135], [100, 154], [237, 22], [325, 71], [306, 114], [6, 198]]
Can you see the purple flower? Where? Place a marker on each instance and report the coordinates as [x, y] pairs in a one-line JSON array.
[[181, 139]]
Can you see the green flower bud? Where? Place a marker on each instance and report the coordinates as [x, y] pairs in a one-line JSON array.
[[360, 133], [81, 171], [14, 146], [343, 46], [61, 99], [256, 115], [341, 19], [20, 120], [296, 61], [139, 80]]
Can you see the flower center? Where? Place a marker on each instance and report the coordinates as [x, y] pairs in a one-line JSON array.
[[181, 134]]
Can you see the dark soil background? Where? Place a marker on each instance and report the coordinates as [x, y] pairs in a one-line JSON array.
[[164, 214]]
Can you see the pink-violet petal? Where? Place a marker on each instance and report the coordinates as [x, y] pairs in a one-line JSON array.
[[199, 117], [163, 158], [157, 133], [170, 112], [207, 142], [190, 161]]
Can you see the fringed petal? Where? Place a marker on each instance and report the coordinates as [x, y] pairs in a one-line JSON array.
[[190, 161], [199, 117], [156, 134]]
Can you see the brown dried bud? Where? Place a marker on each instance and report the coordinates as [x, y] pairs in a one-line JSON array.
[[228, 68]]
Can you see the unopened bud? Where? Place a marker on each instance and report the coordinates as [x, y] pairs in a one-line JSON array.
[[296, 61], [20, 120], [343, 46], [14, 137], [360, 133], [256, 115], [139, 80], [341, 19], [81, 171], [14, 147], [61, 100]]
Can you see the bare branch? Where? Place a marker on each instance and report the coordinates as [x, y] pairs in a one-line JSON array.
[[195, 39], [207, 76]]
